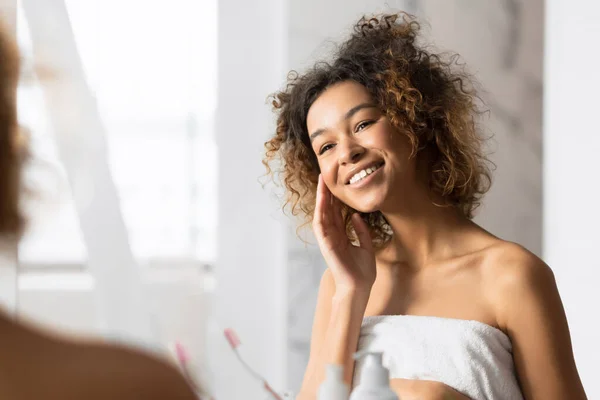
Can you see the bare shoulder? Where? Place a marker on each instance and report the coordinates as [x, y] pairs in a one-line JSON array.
[[529, 309], [512, 273], [67, 369], [122, 373], [507, 262]]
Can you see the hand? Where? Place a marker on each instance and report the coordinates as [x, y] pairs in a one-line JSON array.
[[352, 267], [414, 389]]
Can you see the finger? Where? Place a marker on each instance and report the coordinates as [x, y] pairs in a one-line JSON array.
[[330, 204], [320, 213], [337, 215], [327, 204], [362, 232], [318, 202], [332, 213]]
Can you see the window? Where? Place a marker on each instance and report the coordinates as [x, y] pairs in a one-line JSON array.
[[152, 68]]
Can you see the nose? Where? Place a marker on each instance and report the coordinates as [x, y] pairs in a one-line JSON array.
[[351, 152]]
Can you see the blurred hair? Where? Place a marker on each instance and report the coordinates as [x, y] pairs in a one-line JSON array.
[[12, 143], [426, 96]]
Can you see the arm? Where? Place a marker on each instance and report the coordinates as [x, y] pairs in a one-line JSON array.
[[336, 329], [532, 313], [343, 294]]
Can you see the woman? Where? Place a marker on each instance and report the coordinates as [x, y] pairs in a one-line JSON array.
[[381, 150], [34, 365]]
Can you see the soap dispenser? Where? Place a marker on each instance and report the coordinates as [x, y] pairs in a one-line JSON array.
[[374, 379], [334, 387]]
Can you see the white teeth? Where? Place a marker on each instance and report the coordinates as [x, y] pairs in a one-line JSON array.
[[360, 175]]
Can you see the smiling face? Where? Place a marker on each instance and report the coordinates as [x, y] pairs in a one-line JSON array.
[[364, 161]]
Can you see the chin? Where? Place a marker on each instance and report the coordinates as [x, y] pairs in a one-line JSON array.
[[367, 207], [368, 201], [368, 210]]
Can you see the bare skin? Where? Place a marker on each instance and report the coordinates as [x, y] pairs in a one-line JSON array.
[[39, 366], [437, 264]]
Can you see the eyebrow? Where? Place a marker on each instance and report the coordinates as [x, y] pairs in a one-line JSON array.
[[347, 116]]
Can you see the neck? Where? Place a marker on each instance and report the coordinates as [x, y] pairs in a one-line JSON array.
[[424, 232]]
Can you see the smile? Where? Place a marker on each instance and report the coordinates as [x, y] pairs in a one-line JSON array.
[[360, 175]]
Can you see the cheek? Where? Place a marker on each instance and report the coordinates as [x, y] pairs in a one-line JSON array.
[[328, 172], [381, 136], [396, 145], [401, 143]]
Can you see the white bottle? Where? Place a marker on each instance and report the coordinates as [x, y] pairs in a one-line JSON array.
[[374, 379], [334, 387]]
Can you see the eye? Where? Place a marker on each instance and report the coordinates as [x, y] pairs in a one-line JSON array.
[[362, 125], [325, 148]]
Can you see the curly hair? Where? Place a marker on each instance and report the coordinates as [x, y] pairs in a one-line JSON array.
[[12, 145], [424, 95]]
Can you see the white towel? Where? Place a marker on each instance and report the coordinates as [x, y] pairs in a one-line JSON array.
[[469, 356]]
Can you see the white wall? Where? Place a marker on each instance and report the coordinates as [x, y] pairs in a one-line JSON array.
[[501, 42], [571, 184], [251, 267]]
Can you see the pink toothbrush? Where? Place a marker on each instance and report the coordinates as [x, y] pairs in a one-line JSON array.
[[234, 342]]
